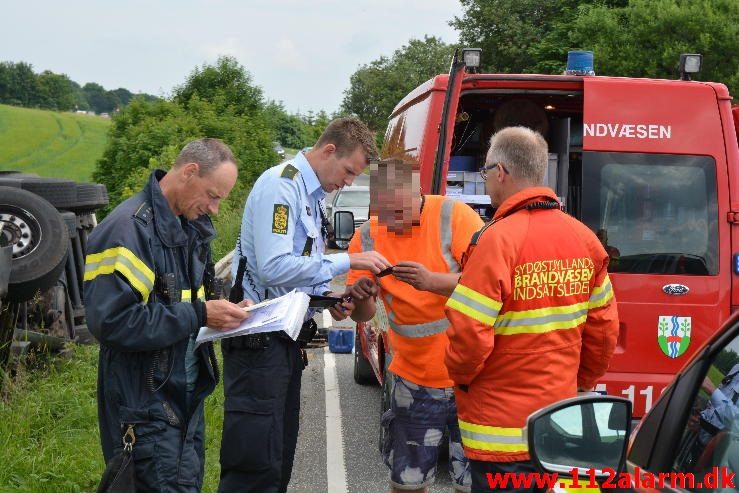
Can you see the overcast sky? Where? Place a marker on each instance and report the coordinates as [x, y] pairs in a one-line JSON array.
[[300, 52]]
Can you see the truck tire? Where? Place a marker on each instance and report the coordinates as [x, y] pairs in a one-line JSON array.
[[70, 219], [363, 374], [62, 194], [40, 242], [90, 197]]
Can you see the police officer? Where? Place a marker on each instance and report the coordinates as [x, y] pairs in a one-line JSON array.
[[147, 273], [282, 239]]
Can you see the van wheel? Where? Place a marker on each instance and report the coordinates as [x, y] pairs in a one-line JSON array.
[[363, 374], [387, 392], [40, 241]]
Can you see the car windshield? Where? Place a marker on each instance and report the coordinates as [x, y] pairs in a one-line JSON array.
[[349, 198]]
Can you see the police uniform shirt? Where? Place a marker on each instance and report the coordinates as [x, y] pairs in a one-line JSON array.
[[281, 235]]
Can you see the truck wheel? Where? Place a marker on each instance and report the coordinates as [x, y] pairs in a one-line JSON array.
[[39, 238], [363, 374]]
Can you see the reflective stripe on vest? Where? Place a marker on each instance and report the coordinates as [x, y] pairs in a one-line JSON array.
[[445, 234], [419, 330], [492, 438], [368, 243]]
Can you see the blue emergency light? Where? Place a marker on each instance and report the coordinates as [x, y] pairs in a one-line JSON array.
[[736, 263], [579, 63]]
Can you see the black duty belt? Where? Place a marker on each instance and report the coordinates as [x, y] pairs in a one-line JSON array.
[[251, 341]]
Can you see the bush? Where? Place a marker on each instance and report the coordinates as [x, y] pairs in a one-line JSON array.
[[147, 135]]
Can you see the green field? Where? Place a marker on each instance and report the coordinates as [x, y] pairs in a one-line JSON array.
[[49, 143]]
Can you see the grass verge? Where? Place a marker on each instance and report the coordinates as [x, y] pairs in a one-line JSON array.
[[49, 441]]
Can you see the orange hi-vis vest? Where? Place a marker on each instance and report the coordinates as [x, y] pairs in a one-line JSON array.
[[417, 324], [532, 319]]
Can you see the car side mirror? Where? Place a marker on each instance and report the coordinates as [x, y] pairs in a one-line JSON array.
[[343, 225], [584, 436]]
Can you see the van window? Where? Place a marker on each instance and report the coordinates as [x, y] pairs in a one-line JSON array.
[[404, 134], [655, 214]]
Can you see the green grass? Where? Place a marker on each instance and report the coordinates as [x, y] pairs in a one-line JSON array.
[[49, 441], [49, 143]]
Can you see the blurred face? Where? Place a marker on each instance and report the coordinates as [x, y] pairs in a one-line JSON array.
[[396, 194], [338, 172], [203, 194]]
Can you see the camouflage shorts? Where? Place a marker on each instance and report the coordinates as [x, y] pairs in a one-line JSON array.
[[414, 428]]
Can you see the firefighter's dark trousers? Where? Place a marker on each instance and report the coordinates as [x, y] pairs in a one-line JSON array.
[[262, 408]]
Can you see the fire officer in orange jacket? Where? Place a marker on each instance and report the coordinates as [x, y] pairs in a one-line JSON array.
[[424, 237], [533, 318]]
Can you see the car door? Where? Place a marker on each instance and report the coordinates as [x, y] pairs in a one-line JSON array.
[[691, 437]]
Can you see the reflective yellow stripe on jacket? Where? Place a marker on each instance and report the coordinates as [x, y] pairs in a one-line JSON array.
[[473, 304], [121, 260], [187, 294], [542, 319], [601, 294], [492, 438]]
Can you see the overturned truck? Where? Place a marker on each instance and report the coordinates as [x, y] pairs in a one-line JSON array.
[[44, 224]]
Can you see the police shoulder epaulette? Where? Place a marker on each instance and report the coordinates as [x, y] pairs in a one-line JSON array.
[[144, 213], [289, 171]]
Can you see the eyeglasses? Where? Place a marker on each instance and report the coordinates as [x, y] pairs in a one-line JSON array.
[[484, 170]]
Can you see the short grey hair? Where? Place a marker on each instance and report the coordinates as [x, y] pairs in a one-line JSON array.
[[208, 153], [522, 151]]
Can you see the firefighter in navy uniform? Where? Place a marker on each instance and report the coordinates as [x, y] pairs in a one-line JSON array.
[[281, 248], [148, 274]]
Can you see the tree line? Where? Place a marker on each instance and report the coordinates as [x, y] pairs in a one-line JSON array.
[[21, 86], [217, 100], [630, 38]]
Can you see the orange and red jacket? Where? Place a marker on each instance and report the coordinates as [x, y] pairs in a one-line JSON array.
[[533, 319], [416, 320]]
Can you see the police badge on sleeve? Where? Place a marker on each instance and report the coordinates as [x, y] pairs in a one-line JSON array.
[[279, 219]]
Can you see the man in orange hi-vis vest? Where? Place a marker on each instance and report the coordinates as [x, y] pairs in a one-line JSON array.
[[424, 238], [533, 316]]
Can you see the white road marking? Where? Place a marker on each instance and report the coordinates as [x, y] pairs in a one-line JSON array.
[[335, 467], [326, 320]]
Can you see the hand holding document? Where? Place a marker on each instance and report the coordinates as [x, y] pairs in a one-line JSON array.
[[283, 313]]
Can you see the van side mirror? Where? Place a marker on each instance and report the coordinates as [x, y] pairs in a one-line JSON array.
[[343, 225], [584, 436]]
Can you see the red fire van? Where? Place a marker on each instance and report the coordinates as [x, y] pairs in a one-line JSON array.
[[650, 165]]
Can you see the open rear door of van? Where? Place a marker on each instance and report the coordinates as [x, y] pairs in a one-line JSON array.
[[446, 127], [655, 188]]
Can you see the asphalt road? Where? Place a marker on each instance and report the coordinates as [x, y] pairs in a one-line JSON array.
[[353, 433], [339, 429]]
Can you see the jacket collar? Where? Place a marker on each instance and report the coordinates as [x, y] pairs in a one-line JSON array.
[[524, 197], [312, 184], [169, 228]]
